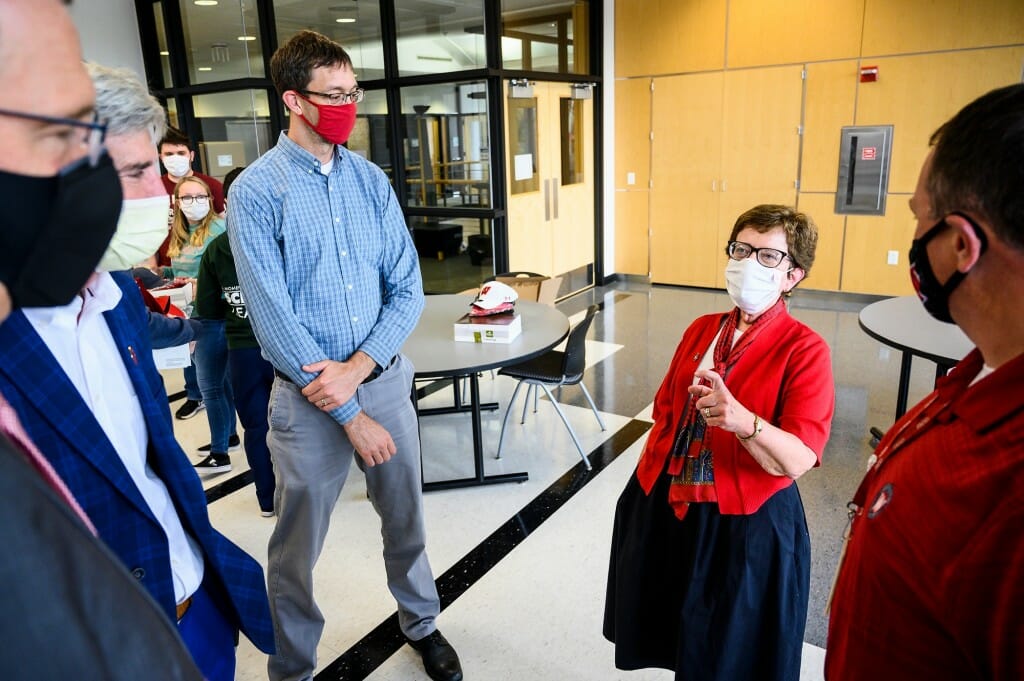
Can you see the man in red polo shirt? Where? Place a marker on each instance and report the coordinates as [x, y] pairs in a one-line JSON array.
[[932, 582]]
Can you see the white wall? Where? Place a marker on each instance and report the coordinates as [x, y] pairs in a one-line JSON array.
[[109, 33]]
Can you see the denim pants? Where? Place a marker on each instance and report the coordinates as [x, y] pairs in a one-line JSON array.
[[211, 362], [192, 383], [251, 380]]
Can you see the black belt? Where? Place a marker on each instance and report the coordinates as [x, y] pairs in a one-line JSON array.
[[377, 371]]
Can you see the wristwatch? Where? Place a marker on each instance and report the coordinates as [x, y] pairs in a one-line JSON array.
[[758, 427]]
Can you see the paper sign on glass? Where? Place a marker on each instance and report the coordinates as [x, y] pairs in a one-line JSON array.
[[225, 160], [523, 167]]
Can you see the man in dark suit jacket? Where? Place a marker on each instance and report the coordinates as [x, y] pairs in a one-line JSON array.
[[80, 374]]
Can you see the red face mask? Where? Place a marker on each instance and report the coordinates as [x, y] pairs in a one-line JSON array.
[[336, 122]]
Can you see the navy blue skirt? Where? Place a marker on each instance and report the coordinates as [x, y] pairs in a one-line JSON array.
[[711, 596]]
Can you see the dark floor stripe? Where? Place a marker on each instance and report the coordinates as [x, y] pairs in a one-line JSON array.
[[232, 484], [372, 650]]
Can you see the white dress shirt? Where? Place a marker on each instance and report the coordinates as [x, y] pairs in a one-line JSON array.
[[78, 336]]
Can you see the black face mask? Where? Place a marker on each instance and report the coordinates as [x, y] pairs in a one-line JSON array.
[[50, 248], [935, 295]]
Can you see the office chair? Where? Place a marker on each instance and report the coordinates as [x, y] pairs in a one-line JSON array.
[[554, 369]]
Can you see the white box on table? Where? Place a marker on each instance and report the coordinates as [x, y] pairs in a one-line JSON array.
[[499, 328]]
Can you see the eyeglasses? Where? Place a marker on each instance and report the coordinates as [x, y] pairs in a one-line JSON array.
[[93, 133], [338, 98], [192, 200], [769, 257]]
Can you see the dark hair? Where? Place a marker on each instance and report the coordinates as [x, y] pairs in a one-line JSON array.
[[174, 136], [291, 67], [978, 163], [801, 232], [230, 178]]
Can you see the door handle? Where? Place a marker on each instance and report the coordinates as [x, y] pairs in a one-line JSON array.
[[547, 205], [554, 195]]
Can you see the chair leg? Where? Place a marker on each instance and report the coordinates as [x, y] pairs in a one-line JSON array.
[[535, 400], [504, 421], [586, 393], [526, 402], [572, 433]]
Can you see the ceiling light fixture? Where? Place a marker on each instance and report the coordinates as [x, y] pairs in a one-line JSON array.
[[205, 3], [345, 20], [205, 68], [164, 53], [246, 38]]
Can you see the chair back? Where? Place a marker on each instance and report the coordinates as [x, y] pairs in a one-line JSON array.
[[574, 361]]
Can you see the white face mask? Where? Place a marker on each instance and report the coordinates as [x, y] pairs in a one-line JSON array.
[[177, 165], [752, 286], [199, 209], [141, 229]]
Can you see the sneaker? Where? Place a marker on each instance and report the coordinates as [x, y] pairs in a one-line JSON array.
[[267, 514], [214, 464], [189, 409], [233, 444]]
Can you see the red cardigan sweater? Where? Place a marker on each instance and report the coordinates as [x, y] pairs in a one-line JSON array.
[[785, 377]]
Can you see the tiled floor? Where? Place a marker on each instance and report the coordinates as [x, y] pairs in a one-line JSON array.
[[521, 567]]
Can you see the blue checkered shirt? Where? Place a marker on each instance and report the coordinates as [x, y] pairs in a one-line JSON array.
[[325, 262]]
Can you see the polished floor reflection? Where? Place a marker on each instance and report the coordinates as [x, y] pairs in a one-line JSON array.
[[521, 567]]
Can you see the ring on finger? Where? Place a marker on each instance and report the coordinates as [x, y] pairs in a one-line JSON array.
[[707, 412]]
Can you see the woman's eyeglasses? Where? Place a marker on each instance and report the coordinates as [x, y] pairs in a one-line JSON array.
[[769, 257], [188, 200]]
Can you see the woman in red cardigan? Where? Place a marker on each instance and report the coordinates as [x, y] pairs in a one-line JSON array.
[[710, 560]]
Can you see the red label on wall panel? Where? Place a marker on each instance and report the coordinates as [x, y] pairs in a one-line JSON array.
[[868, 153]]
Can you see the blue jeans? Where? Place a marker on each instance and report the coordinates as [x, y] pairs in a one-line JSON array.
[[211, 362], [209, 636], [192, 383], [251, 380]]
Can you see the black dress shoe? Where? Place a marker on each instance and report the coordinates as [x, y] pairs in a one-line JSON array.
[[439, 658]]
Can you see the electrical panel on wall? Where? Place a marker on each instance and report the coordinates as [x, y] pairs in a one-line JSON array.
[[864, 153]]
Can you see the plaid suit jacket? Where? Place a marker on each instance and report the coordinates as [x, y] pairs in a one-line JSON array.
[[66, 432]]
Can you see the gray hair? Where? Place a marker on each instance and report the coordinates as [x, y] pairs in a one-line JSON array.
[[124, 103]]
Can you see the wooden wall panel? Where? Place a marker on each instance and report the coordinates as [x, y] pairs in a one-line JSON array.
[[831, 97], [828, 257], [763, 33], [631, 223], [685, 163], [868, 241], [918, 93], [657, 37], [760, 143], [927, 26], [632, 132]]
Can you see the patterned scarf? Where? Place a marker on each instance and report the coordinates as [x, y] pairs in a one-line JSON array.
[[690, 464]]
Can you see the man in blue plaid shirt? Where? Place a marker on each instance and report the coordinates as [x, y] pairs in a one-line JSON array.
[[333, 288]]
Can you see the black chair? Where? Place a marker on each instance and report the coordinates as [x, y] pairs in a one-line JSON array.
[[554, 369]]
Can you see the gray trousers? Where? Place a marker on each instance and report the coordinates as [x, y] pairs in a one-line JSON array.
[[312, 457]]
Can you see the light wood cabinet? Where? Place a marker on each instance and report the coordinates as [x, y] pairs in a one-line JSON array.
[[765, 33], [660, 37]]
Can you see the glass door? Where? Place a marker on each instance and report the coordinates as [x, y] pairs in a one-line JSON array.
[[550, 182]]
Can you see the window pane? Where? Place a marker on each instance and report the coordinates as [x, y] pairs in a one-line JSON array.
[[438, 36], [371, 136], [234, 129], [223, 41], [446, 147], [550, 38], [161, 39], [172, 113], [355, 25], [524, 173], [571, 124], [455, 253]]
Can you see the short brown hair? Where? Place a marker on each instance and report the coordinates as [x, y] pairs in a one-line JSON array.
[[291, 67], [175, 136], [801, 232]]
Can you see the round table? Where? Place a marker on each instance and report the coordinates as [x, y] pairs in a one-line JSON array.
[[436, 354], [904, 324]]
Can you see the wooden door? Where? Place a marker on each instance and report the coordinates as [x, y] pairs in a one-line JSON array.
[[685, 169]]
